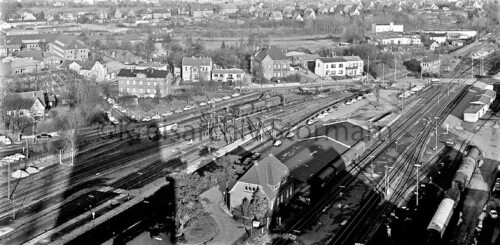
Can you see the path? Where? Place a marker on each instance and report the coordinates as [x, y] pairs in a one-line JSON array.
[[228, 229]]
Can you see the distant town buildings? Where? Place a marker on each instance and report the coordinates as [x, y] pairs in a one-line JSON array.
[[479, 105], [430, 64], [228, 75]]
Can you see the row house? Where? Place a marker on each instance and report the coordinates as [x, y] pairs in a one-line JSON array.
[[144, 83], [200, 10], [228, 75], [269, 63], [392, 38], [90, 69], [339, 66], [69, 48], [391, 27], [196, 69]]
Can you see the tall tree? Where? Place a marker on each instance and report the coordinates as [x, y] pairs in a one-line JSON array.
[[188, 205], [260, 205]]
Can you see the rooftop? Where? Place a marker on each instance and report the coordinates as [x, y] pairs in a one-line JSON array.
[[272, 51], [150, 73], [193, 61], [474, 108]]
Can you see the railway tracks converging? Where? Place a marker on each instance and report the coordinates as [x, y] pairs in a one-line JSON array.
[[401, 127]]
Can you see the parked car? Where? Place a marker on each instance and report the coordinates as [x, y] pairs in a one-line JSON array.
[[203, 104], [226, 97], [178, 111], [217, 99], [210, 102], [277, 143], [310, 122], [290, 135], [187, 108], [146, 119], [168, 113], [156, 117], [255, 156], [235, 95]]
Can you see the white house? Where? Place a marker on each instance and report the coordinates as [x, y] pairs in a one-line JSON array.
[[228, 75], [196, 69], [438, 37], [479, 105], [387, 27], [339, 66]]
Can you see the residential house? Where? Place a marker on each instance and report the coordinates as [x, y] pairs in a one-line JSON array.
[[200, 10], [430, 64], [47, 59], [117, 14], [433, 6], [323, 10], [161, 13], [144, 83], [228, 75], [22, 65], [113, 68], [439, 38], [391, 27], [339, 66], [296, 17], [6, 50], [67, 16], [309, 15], [226, 9], [355, 12], [270, 62], [37, 106], [276, 16], [196, 69], [434, 46], [130, 13], [268, 176], [93, 69], [301, 61], [102, 14], [477, 5], [458, 43], [288, 12]]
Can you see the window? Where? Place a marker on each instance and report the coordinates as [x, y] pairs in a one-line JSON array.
[[327, 66], [341, 65], [216, 75], [133, 82], [238, 76], [333, 72], [274, 66], [318, 65], [128, 82], [149, 83], [185, 68], [341, 72], [147, 90], [128, 90], [154, 83], [334, 66], [279, 74], [133, 90]]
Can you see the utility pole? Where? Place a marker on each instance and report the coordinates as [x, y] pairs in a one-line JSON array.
[[368, 69], [386, 176], [472, 68], [383, 72], [436, 132], [394, 69], [418, 186], [8, 180]]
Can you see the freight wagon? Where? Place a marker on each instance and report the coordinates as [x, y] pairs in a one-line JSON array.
[[257, 106]]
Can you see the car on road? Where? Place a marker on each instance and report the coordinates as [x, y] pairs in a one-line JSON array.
[[290, 135], [168, 113], [348, 102], [310, 122], [5, 140], [277, 143], [114, 121], [370, 93], [44, 137], [226, 97], [359, 98], [235, 95], [203, 104], [210, 102], [255, 156], [156, 117], [187, 108], [321, 115], [217, 99], [324, 113], [178, 111], [146, 119], [122, 110]]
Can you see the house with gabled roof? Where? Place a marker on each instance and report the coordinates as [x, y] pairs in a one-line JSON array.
[[117, 14], [296, 17], [323, 10], [276, 16], [268, 176], [477, 5], [144, 82], [288, 12], [195, 69], [331, 9], [39, 103], [434, 6], [355, 12], [309, 15], [270, 62]]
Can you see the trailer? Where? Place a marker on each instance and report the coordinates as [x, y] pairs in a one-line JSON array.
[[442, 217]]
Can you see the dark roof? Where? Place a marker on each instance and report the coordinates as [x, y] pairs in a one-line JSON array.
[[193, 61], [17, 39], [332, 59], [490, 93], [268, 173], [33, 95], [149, 72], [273, 52], [66, 63], [481, 98], [430, 58]]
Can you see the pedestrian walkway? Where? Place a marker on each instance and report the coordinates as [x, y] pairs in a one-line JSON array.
[[228, 229]]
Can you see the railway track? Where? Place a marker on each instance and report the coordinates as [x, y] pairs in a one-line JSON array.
[[377, 149], [85, 171], [402, 171]]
